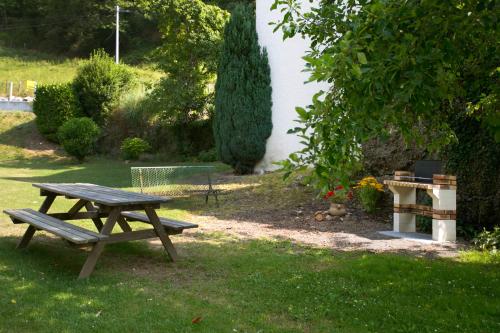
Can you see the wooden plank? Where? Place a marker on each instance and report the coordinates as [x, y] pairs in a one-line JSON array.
[[101, 194], [57, 227], [104, 208], [131, 236], [121, 193], [75, 192], [160, 231], [74, 228], [168, 223], [78, 216]]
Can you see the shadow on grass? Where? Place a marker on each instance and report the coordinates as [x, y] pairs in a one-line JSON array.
[[243, 286]]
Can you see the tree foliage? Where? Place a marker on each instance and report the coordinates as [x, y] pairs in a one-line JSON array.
[[391, 64], [99, 84], [191, 37], [242, 121], [74, 27]]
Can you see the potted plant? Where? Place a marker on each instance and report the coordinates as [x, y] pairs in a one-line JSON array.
[[337, 197], [369, 192]]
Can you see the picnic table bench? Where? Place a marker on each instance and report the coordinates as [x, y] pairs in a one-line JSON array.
[[117, 206]]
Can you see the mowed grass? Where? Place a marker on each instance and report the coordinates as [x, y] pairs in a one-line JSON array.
[[231, 285]]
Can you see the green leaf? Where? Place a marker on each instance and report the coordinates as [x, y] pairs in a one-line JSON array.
[[362, 58]]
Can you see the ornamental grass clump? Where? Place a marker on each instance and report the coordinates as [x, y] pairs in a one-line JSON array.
[[369, 191]]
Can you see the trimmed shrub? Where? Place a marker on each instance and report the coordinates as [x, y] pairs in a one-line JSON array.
[[242, 121], [132, 148], [53, 105], [207, 155], [99, 84], [78, 137]]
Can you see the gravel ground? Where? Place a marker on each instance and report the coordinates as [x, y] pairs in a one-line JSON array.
[[350, 233]]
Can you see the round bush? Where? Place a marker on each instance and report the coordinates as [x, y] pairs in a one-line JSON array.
[[99, 84], [78, 137], [208, 155], [53, 105], [132, 148]]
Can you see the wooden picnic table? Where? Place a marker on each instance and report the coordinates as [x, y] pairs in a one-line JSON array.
[[117, 206]]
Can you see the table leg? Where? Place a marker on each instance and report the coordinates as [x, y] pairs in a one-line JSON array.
[[30, 232], [160, 231], [97, 221], [98, 247]]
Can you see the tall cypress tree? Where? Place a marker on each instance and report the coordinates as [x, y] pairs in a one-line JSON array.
[[242, 121]]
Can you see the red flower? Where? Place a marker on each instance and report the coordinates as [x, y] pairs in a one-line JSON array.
[[329, 194], [339, 188]]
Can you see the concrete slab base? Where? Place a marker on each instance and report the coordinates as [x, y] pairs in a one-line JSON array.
[[412, 236]]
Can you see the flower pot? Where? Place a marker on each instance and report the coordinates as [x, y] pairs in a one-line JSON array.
[[337, 209]]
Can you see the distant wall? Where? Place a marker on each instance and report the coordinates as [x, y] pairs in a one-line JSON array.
[[287, 77], [16, 106]]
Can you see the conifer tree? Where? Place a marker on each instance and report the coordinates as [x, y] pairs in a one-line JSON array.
[[242, 121]]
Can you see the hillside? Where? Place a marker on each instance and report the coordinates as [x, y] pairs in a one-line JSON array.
[[19, 138], [19, 65]]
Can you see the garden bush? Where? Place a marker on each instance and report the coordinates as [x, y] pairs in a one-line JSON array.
[[474, 159], [78, 137], [99, 84], [207, 155], [488, 240], [243, 106], [53, 105], [132, 148]]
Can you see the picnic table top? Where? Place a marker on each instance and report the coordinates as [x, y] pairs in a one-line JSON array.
[[101, 194]]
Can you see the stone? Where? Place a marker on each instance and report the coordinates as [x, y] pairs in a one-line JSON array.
[[318, 216]]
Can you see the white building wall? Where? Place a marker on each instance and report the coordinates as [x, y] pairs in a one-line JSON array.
[[288, 83]]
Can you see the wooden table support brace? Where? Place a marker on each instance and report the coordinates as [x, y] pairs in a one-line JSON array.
[[30, 232], [165, 240], [98, 247]]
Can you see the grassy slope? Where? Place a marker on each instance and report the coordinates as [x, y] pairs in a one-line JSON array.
[[235, 286], [19, 65]]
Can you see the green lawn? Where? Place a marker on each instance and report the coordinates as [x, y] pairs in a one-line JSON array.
[[21, 65], [234, 286]]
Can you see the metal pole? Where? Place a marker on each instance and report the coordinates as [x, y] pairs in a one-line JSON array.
[[11, 86], [117, 46]]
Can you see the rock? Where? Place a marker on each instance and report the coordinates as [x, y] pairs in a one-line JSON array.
[[318, 216], [383, 157], [328, 217]]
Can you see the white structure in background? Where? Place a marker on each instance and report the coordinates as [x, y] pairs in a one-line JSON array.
[[288, 82]]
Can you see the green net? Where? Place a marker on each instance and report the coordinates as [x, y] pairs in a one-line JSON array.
[[173, 181]]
